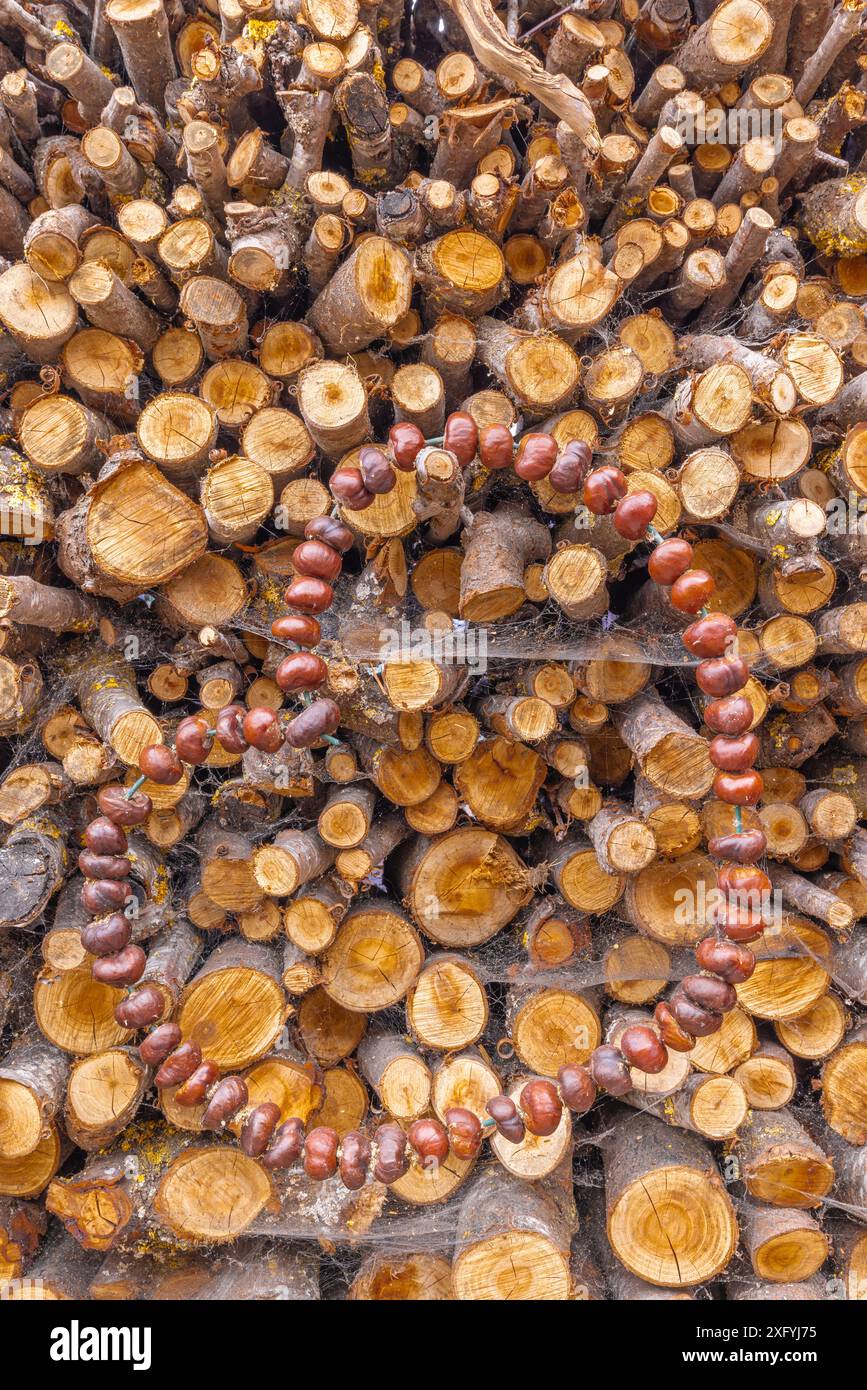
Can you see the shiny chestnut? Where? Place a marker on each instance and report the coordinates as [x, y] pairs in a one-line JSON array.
[[258, 1128], [577, 1087], [161, 764], [123, 968], [229, 728], [317, 560], [156, 1047], [406, 441], [496, 447], [536, 456], [104, 837], [125, 810], [304, 631], [331, 531], [738, 788], [642, 1049], [712, 635], [603, 489], [309, 595], [609, 1070], [732, 962], [301, 671], [377, 471], [733, 715], [262, 729], [194, 738], [733, 754], [669, 561], [461, 437], [692, 591], [722, 675], [542, 1107]]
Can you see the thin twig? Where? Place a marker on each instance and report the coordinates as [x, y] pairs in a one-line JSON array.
[[543, 24]]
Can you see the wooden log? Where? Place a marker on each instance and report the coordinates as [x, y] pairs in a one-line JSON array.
[[514, 1242], [649, 1167], [358, 981], [843, 1099], [397, 1073], [779, 1162], [33, 1078]]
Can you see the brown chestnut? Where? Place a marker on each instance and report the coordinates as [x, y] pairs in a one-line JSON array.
[[743, 880], [123, 968], [286, 1145], [711, 635], [603, 489], [229, 728], [101, 895], [258, 1128], [732, 962], [566, 474], [107, 936], [496, 447], [143, 1006], [104, 837], [430, 1141], [322, 717], [642, 1049], [161, 765], [670, 1030], [634, 513], [377, 471], [571, 464], [609, 1070], [262, 729], [692, 591], [193, 739], [295, 627], [355, 1155], [738, 788], [360, 501], [301, 671], [504, 1112], [536, 456], [392, 1160], [103, 865], [331, 531], [465, 1132], [114, 802], [733, 715], [576, 1087], [347, 484], [541, 1106], [669, 561], [196, 1087], [156, 1047], [229, 1097], [698, 1022], [318, 560], [733, 754], [406, 440], [709, 993], [179, 1065], [743, 848], [461, 437], [309, 595], [320, 1153], [722, 675]]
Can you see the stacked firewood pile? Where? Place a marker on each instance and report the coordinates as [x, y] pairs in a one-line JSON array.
[[349, 899]]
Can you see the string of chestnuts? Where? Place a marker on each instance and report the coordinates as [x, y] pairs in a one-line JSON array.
[[699, 1002]]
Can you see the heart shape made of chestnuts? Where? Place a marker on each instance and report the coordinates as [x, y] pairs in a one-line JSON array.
[[698, 1004]]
